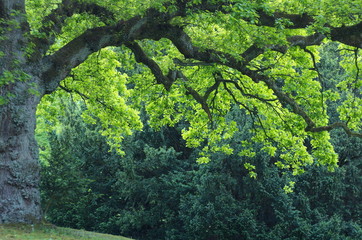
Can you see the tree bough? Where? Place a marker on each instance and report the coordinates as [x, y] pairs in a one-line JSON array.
[[206, 55]]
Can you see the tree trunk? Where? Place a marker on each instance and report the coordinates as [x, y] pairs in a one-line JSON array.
[[19, 166]]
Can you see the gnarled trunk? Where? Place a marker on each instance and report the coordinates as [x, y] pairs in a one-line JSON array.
[[19, 166]]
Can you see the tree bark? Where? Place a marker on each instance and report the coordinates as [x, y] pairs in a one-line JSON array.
[[19, 166]]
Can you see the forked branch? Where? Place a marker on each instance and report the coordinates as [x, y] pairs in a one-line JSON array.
[[183, 42], [53, 23]]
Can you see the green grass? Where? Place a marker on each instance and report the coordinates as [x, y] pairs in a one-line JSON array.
[[49, 232]]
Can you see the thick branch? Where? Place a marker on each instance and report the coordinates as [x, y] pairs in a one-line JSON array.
[[168, 80], [183, 6], [155, 26], [54, 22], [141, 57], [57, 66], [201, 100], [337, 125], [71, 55], [184, 44], [190, 64], [297, 20], [265, 19], [349, 35]]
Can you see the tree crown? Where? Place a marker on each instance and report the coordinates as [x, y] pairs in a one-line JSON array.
[[195, 60]]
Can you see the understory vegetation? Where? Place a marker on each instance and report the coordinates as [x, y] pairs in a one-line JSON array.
[[158, 190]]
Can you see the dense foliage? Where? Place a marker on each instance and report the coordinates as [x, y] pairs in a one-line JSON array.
[[194, 61], [157, 190], [189, 65]]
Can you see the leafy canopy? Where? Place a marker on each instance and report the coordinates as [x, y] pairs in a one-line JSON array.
[[195, 60]]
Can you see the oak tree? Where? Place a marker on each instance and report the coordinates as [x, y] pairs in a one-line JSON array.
[[187, 60]]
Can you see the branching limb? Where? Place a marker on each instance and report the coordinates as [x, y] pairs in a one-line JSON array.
[[84, 96], [141, 57], [155, 26], [337, 125], [59, 65], [297, 20], [190, 64], [349, 35], [251, 111], [53, 23], [239, 88], [56, 67], [183, 42], [265, 19], [168, 80], [320, 77], [305, 41], [357, 66], [201, 100]]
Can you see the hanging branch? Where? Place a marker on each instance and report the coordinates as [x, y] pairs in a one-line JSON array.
[[167, 80], [155, 25], [320, 77], [183, 42], [84, 96], [141, 57]]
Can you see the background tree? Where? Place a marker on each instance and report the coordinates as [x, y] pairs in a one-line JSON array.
[[157, 190], [202, 58]]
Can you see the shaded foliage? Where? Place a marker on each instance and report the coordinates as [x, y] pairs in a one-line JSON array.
[[157, 191]]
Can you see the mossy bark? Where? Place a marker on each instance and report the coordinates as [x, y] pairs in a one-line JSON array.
[[19, 166]]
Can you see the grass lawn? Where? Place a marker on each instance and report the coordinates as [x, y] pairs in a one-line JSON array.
[[49, 232]]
